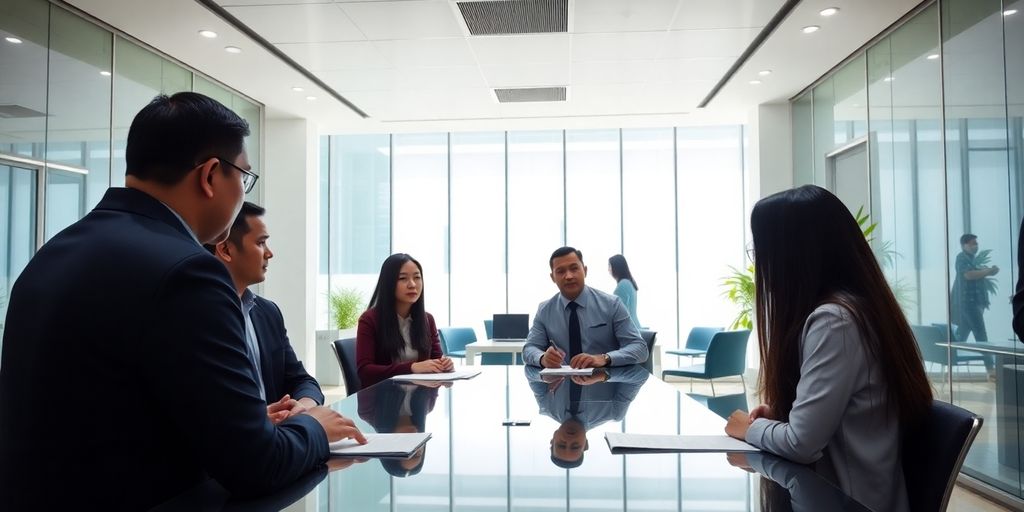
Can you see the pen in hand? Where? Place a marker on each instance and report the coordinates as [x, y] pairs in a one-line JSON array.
[[551, 343]]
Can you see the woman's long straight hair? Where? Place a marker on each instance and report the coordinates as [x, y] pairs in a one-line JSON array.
[[620, 270], [389, 342], [809, 251]]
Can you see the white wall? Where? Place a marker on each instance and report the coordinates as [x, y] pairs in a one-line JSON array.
[[290, 177]]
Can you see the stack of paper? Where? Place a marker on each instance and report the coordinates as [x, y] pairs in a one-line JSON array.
[[381, 445], [651, 443], [456, 375], [567, 370]]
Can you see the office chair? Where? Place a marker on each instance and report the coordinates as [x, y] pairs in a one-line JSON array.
[[726, 356], [345, 351], [934, 453]]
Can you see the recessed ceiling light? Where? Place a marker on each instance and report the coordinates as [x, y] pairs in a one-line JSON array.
[[765, 72], [14, 40], [232, 49], [1009, 12], [829, 12], [888, 79], [209, 34], [755, 82], [297, 89], [810, 29], [310, 98], [932, 56], [105, 73]]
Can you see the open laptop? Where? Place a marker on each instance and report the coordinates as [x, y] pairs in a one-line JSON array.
[[512, 327]]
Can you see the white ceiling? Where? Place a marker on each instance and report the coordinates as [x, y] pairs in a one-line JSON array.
[[412, 65]]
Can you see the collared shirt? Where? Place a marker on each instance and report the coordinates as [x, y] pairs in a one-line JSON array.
[[605, 328], [408, 352], [251, 342], [183, 223], [969, 292]]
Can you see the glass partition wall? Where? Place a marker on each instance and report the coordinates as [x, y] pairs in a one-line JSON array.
[[68, 93], [939, 102]]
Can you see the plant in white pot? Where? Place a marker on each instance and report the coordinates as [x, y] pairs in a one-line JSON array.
[[345, 305]]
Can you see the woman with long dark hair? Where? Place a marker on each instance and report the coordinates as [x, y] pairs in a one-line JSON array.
[[841, 375], [396, 336], [626, 287]]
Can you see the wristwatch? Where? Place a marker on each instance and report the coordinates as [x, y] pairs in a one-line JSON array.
[[607, 359]]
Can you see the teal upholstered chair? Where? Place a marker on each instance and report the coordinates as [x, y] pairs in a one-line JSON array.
[[696, 342], [726, 356], [455, 339]]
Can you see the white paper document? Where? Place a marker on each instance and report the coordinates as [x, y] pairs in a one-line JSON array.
[[652, 443], [567, 370], [456, 375], [381, 445]]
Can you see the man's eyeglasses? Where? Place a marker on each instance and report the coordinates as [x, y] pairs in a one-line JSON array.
[[248, 177]]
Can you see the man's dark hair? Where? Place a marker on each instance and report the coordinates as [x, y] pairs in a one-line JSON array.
[[173, 134], [966, 239], [564, 251], [241, 225], [566, 464]]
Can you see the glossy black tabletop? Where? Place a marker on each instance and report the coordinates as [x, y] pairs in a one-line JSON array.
[[507, 440]]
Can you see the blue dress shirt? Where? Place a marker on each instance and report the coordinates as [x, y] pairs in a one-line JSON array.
[[627, 294], [605, 328]]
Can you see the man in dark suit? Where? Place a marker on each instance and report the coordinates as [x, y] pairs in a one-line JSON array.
[[124, 377], [285, 385]]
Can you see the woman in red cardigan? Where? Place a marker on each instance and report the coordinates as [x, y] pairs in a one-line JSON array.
[[396, 336]]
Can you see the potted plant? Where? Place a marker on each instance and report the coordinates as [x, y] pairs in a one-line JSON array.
[[345, 305]]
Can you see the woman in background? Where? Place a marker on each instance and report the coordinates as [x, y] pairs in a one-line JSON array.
[[626, 288], [841, 375], [396, 336]]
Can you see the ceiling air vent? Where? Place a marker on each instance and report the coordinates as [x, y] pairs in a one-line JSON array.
[[528, 94], [498, 17], [18, 112]]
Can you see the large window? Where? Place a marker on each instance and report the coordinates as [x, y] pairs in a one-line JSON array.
[[483, 211]]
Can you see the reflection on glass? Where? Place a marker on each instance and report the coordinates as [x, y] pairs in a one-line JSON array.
[[139, 75], [394, 407], [580, 403], [23, 81], [65, 199], [78, 102], [17, 228]]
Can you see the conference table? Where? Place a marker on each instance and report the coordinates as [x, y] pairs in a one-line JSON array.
[[493, 347], [508, 440]]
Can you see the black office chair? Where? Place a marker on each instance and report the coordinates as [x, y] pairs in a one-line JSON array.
[[934, 452], [345, 351], [649, 337]]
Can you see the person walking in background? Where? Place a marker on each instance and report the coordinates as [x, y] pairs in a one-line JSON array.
[[969, 297], [626, 288], [396, 335]]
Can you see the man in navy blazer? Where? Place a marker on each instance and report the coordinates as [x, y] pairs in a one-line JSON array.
[[287, 388], [124, 379]]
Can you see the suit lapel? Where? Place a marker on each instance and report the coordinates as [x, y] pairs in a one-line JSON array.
[[264, 334]]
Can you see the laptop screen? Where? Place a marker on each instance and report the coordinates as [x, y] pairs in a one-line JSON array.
[[511, 327]]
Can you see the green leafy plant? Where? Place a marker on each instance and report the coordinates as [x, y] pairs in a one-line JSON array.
[[346, 304], [740, 291], [739, 284], [983, 259]]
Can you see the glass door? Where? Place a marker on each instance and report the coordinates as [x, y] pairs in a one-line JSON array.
[[18, 226]]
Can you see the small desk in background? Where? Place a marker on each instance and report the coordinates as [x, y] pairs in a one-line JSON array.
[[500, 347]]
